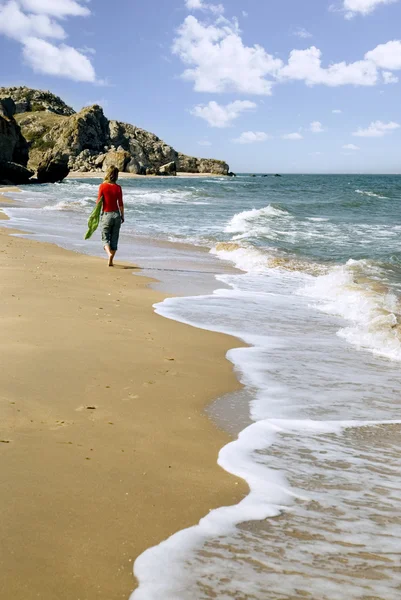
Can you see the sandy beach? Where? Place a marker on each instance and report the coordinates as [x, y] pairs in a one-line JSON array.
[[104, 446]]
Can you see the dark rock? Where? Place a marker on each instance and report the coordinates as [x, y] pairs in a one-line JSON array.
[[14, 173], [7, 108], [13, 146], [231, 174], [54, 167]]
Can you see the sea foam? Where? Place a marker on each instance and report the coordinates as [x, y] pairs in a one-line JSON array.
[[372, 310]]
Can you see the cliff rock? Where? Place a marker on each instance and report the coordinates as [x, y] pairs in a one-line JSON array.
[[29, 100], [13, 146], [92, 142], [169, 169], [190, 164]]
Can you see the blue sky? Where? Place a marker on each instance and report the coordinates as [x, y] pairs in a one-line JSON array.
[[267, 85]]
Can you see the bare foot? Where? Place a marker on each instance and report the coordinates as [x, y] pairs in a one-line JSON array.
[[111, 261]]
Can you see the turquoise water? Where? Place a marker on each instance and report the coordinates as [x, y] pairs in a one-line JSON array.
[[317, 299]]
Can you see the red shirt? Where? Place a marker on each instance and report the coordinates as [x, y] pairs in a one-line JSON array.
[[112, 194]]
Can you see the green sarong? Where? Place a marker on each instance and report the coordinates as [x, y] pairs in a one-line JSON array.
[[93, 221]]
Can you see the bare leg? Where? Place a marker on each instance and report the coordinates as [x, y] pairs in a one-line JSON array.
[[109, 254], [111, 258]]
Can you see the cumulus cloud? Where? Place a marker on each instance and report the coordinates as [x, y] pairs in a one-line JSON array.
[[363, 7], [377, 129], [192, 5], [386, 56], [63, 61], [306, 65], [316, 127], [218, 60], [33, 23], [302, 33], [251, 137], [351, 147], [14, 23], [217, 115], [389, 77], [56, 8], [292, 136]]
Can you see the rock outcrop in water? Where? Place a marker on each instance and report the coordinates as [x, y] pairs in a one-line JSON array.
[[88, 142]]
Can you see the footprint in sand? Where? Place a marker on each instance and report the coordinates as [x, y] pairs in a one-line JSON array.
[[60, 424]]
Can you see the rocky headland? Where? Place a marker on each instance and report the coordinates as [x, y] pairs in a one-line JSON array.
[[40, 135]]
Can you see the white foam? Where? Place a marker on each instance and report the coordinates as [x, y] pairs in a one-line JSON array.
[[251, 222], [371, 194], [373, 313], [140, 196], [248, 259], [161, 570], [164, 571], [69, 205]]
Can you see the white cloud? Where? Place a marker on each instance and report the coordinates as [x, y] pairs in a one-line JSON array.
[[377, 129], [292, 136], [302, 33], [363, 7], [17, 25], [386, 56], [306, 65], [62, 61], [56, 8], [316, 127], [337, 111], [389, 77], [217, 115], [33, 22], [191, 5], [204, 143], [218, 60], [251, 137], [351, 147], [244, 14]]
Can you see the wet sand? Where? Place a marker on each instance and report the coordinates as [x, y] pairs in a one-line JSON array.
[[105, 449]]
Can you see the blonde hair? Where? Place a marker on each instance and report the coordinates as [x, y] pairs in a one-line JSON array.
[[111, 174]]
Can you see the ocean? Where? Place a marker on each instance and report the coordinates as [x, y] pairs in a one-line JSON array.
[[306, 270]]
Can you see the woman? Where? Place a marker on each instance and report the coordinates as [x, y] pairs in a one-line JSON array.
[[113, 212]]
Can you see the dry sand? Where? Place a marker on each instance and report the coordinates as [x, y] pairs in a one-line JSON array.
[[105, 450]]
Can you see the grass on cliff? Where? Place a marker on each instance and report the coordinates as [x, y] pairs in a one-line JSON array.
[[35, 125]]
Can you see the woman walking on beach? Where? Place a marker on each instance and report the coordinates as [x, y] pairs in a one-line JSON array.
[[113, 212]]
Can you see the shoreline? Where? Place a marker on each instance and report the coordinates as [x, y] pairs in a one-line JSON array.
[[108, 473], [101, 174]]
